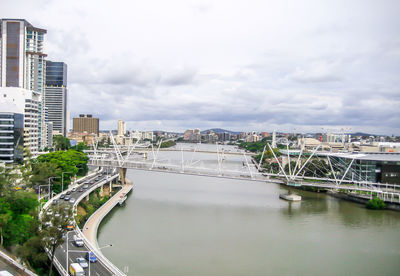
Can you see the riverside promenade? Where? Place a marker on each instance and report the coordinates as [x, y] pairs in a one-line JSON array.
[[92, 224]]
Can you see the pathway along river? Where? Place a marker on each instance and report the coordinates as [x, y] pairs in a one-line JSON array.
[[188, 225]]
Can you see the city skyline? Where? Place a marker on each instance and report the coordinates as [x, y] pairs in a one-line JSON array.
[[252, 66]]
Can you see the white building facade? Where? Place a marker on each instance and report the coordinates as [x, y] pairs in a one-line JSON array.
[[14, 100], [22, 53]]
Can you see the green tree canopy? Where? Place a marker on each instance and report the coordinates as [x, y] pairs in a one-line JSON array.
[[80, 147], [61, 143]]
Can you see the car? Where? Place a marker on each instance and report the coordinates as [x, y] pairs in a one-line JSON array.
[[78, 241], [91, 182], [85, 187], [67, 197], [82, 262], [62, 196], [80, 190], [74, 189], [91, 257], [68, 192], [70, 227], [72, 200]]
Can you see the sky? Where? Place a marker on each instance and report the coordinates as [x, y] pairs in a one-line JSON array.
[[292, 66]]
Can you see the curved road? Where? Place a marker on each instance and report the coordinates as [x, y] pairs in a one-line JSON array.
[[96, 268]]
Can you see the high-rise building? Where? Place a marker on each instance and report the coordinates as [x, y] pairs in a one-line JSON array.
[[121, 128], [86, 123], [19, 109], [22, 48], [55, 96]]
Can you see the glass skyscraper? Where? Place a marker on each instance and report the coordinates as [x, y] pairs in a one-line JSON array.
[[56, 95]]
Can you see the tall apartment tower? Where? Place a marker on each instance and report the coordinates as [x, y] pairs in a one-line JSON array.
[[86, 123], [56, 95], [22, 53], [121, 128]]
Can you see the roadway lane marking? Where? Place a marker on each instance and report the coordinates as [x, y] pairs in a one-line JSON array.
[[97, 274]]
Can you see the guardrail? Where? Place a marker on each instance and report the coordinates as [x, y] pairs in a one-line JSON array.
[[17, 264]]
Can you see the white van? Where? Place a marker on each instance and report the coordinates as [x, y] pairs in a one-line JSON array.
[[76, 270]]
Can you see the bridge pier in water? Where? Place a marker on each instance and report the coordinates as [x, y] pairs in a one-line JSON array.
[[291, 196]]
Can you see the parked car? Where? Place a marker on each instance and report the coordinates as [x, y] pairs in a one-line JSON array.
[[91, 257]]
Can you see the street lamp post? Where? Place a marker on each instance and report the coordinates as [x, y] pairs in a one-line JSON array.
[[62, 181], [49, 184]]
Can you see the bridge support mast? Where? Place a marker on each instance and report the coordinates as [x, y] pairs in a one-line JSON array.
[[122, 175]]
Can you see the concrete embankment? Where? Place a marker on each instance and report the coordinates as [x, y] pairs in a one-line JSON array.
[[92, 224], [362, 200]]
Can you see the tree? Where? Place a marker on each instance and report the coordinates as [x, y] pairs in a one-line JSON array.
[[54, 163], [42, 171], [167, 144], [32, 252], [80, 147], [20, 216], [54, 227], [316, 168], [5, 217], [61, 143], [376, 204]]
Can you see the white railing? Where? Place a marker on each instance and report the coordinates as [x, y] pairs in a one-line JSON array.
[[17, 264]]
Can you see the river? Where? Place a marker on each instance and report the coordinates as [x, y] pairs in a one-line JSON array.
[[175, 224]]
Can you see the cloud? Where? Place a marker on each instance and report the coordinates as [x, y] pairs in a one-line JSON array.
[[259, 65]]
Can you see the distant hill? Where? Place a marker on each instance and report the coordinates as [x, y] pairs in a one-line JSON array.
[[361, 134], [220, 130]]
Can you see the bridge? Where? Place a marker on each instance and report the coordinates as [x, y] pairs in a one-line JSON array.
[[238, 165], [219, 163]]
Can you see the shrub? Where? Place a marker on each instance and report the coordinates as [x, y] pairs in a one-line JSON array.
[[376, 204]]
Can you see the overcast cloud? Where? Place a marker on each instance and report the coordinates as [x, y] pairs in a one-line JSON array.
[[241, 65]]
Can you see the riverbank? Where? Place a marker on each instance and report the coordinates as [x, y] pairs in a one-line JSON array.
[[92, 224], [362, 200]]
